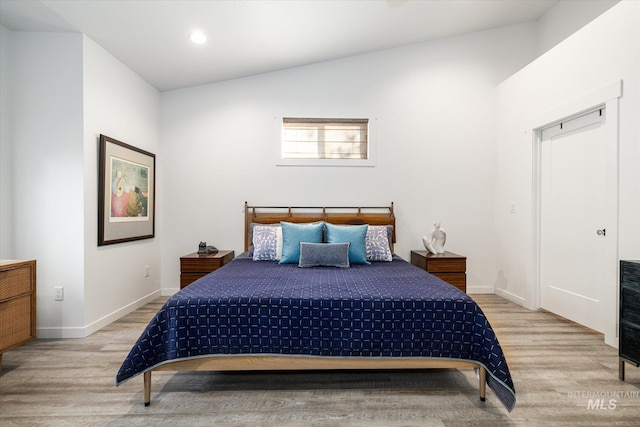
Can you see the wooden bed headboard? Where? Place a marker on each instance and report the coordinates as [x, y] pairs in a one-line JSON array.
[[334, 215]]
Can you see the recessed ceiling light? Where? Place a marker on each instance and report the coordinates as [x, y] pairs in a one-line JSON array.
[[197, 37]]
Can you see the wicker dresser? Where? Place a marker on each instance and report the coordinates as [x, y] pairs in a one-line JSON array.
[[17, 304]]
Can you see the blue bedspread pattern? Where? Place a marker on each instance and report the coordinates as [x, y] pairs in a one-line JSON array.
[[378, 310]]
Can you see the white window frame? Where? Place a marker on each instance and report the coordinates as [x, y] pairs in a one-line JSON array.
[[368, 162]]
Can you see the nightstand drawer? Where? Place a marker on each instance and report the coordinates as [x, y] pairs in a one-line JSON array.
[[459, 280], [187, 278], [191, 265], [446, 265], [195, 266]]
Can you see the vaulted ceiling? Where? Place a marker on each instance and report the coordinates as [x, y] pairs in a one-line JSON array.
[[251, 37]]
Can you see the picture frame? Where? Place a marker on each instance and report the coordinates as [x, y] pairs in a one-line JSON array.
[[126, 192]]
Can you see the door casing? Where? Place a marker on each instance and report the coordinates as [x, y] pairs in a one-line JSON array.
[[608, 97], [573, 202]]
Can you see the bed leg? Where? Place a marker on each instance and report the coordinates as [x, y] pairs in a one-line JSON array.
[[483, 383], [147, 388]]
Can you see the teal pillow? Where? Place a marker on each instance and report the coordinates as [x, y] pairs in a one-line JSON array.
[[354, 234], [293, 234]]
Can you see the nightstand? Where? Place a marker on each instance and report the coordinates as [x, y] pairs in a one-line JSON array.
[[194, 266], [450, 267]]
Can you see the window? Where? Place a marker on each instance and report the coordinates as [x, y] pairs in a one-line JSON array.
[[325, 142]]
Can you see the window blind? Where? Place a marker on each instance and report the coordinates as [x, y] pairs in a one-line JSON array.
[[306, 138]]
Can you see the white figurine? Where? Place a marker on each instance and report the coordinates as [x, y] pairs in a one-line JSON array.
[[435, 242]]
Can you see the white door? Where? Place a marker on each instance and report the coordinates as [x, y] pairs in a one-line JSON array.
[[573, 230]]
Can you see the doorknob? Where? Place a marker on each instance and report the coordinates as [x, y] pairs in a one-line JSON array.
[[602, 232]]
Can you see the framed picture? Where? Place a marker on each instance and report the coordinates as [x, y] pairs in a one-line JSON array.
[[126, 193]]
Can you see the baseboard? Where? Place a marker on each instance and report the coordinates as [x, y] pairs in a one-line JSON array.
[[110, 318], [511, 297], [480, 290], [85, 331], [60, 332], [167, 292]]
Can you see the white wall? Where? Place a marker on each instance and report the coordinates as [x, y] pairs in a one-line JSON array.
[[434, 111], [119, 104], [7, 244], [606, 50], [65, 91], [48, 174]]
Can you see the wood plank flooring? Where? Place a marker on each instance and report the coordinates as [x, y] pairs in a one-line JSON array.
[[560, 371]]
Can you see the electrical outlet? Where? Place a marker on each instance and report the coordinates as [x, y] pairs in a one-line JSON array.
[[58, 293], [147, 271]]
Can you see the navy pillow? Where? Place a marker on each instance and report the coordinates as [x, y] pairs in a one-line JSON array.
[[324, 254], [354, 234], [293, 234]]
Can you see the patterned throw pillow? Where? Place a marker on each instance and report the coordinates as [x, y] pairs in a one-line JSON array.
[[377, 243], [267, 243]]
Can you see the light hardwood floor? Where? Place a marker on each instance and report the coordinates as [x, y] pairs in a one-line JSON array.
[[559, 369]]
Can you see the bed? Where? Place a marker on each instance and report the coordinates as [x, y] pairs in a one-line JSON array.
[[314, 313]]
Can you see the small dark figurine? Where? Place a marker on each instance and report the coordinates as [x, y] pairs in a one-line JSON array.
[[204, 249]]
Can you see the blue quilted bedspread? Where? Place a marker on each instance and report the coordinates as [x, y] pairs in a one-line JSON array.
[[386, 309]]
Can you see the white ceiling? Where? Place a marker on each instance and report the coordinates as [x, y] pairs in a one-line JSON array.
[[253, 36]]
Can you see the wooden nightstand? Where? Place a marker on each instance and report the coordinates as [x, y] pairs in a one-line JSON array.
[[194, 266], [450, 267]]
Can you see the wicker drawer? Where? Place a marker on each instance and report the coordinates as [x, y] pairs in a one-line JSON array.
[[17, 303], [15, 281], [15, 322]]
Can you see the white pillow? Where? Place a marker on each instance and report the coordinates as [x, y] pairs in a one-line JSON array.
[[377, 244], [267, 243]]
